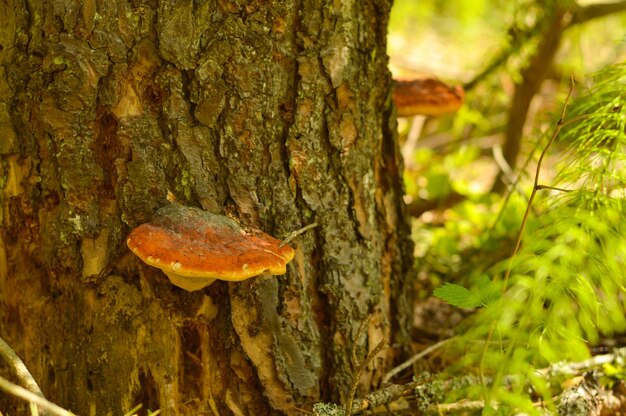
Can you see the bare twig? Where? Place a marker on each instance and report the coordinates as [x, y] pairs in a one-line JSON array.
[[583, 14], [576, 368], [557, 130], [22, 393], [382, 396], [296, 233], [418, 207], [462, 406], [355, 363], [550, 374], [553, 188], [18, 368], [511, 179], [382, 345], [415, 358], [520, 39], [408, 149], [504, 166], [509, 192], [355, 342]]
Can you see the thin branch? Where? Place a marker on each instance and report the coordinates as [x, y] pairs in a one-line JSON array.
[[415, 358], [18, 368], [350, 408], [511, 179], [550, 374], [297, 233], [518, 243], [594, 11], [355, 361], [383, 396], [382, 345], [553, 188], [520, 39], [509, 191], [533, 73], [580, 15], [462, 406], [418, 207], [557, 130], [359, 333], [524, 167], [408, 149], [580, 367], [22, 393]]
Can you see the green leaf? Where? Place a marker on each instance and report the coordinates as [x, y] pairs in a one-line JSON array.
[[487, 291], [457, 295]]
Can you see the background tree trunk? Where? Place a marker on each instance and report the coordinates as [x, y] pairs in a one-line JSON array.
[[277, 113]]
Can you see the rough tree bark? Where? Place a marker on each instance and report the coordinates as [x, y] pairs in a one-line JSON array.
[[277, 113]]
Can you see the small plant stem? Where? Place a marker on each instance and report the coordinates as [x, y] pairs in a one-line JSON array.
[[509, 191], [557, 130], [518, 243]]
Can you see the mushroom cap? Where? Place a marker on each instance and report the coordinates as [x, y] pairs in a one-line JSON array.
[[197, 246], [428, 97]]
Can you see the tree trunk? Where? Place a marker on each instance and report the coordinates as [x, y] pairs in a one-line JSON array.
[[276, 113]]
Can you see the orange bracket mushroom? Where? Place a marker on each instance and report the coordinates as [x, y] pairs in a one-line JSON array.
[[423, 97], [427, 97], [194, 247]]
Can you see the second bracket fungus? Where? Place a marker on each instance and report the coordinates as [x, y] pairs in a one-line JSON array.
[[428, 97], [194, 247]]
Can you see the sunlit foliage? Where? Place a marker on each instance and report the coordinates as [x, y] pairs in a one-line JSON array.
[[567, 286]]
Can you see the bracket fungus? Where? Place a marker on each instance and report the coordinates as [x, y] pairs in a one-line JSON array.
[[427, 97], [194, 247]]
